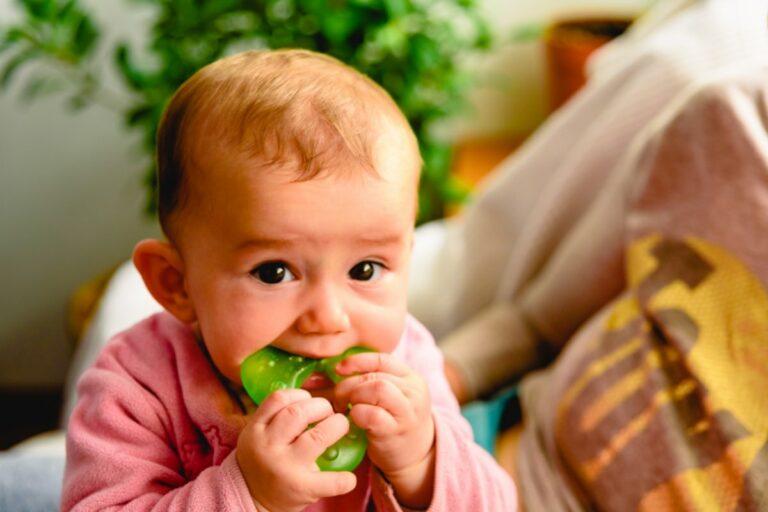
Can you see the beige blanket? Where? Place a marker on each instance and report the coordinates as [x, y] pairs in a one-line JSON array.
[[538, 251], [660, 402]]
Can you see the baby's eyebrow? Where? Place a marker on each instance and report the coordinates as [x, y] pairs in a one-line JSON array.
[[389, 239], [265, 243]]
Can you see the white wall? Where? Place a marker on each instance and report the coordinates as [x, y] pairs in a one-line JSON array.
[[511, 93], [70, 207], [70, 184]]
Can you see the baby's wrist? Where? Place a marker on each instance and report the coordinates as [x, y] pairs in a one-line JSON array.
[[413, 485], [242, 465], [258, 506]]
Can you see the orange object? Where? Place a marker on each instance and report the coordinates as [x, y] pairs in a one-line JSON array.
[[568, 44], [474, 158]]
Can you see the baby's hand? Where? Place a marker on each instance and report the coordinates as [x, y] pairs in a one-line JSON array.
[[392, 403], [276, 453]]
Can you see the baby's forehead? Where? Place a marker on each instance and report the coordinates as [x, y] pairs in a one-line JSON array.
[[390, 160], [313, 150]]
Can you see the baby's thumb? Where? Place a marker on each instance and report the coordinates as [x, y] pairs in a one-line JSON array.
[[334, 483]]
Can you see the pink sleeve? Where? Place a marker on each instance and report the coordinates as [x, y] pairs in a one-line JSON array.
[[120, 454], [467, 478]]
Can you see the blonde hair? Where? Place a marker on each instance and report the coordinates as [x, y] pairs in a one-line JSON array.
[[274, 105]]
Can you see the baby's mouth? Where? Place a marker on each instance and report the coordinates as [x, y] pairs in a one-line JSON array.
[[319, 385], [317, 381]]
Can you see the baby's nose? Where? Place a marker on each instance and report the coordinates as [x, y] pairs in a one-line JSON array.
[[325, 313]]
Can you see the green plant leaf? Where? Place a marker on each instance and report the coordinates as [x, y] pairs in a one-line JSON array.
[[396, 8], [407, 46], [40, 9], [138, 114], [67, 8], [12, 36], [339, 24], [85, 36], [15, 63], [132, 75], [37, 87]]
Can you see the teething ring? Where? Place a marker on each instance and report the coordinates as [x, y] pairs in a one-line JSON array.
[[270, 369]]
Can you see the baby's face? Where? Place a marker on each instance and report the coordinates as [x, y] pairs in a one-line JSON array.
[[312, 267]]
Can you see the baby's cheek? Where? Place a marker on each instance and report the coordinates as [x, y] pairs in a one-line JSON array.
[[385, 332], [229, 345]]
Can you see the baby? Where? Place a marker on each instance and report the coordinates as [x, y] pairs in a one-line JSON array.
[[287, 194]]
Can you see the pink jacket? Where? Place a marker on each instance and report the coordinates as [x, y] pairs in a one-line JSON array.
[[155, 429]]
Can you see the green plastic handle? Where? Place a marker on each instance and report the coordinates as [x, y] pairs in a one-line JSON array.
[[270, 369]]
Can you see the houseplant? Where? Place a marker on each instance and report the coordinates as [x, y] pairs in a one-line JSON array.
[[411, 47]]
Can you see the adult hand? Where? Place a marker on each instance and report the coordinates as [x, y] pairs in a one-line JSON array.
[[457, 382]]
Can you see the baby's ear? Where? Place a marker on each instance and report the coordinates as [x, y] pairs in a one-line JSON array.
[[162, 270]]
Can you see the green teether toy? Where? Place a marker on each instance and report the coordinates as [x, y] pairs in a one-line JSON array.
[[270, 369]]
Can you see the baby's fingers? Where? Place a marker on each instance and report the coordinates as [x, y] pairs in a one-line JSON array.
[[292, 420], [374, 420], [379, 389], [369, 362], [278, 401], [314, 441], [325, 484]]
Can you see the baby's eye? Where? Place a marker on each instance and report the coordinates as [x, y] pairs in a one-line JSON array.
[[366, 271], [273, 272]]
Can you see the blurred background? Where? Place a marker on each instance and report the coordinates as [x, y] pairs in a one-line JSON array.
[[73, 196]]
